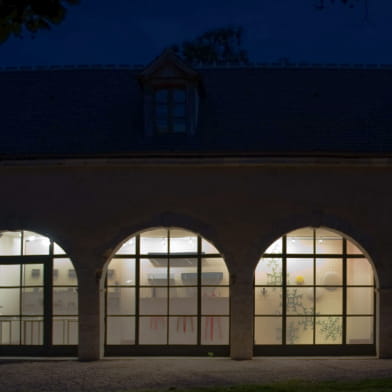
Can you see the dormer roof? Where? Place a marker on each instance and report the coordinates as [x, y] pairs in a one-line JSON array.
[[168, 66]]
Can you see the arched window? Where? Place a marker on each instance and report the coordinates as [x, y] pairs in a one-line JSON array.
[[38, 296], [167, 291], [314, 293]]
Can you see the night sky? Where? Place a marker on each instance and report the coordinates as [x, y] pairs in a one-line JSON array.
[[134, 31]]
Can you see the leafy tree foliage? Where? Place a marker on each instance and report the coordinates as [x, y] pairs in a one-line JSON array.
[[30, 15], [217, 46], [321, 4]]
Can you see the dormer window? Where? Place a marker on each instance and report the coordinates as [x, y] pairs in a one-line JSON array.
[[171, 98], [170, 110]]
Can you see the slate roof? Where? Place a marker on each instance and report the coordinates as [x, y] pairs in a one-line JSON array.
[[254, 110]]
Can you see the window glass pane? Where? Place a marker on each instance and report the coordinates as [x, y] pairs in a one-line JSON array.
[[182, 330], [329, 330], [153, 300], [162, 125], [33, 301], [153, 330], [64, 273], [268, 330], [214, 330], [32, 275], [10, 243], [328, 242], [183, 271], [268, 300], [329, 272], [121, 301], [353, 249], [121, 272], [359, 272], [35, 244], [161, 111], [299, 330], [65, 301], [275, 247], [179, 125], [360, 300], [214, 272], [32, 331], [10, 275], [215, 300], [161, 95], [128, 247], [112, 300], [154, 272], [329, 300], [360, 330], [179, 110], [207, 247], [120, 330], [154, 241], [9, 330], [300, 241], [182, 241], [183, 300], [57, 250], [299, 271], [269, 272], [179, 95], [65, 330], [9, 301], [299, 300]]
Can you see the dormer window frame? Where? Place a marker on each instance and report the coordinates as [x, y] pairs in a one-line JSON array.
[[169, 72], [170, 109]]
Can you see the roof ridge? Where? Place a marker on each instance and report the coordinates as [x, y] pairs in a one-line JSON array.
[[301, 64], [263, 65], [71, 67]]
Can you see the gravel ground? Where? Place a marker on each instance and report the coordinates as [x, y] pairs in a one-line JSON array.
[[143, 373]]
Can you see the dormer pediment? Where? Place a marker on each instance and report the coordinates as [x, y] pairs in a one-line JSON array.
[[168, 66]]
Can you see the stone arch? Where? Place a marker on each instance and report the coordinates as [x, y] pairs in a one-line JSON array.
[[356, 233], [57, 234], [165, 219]]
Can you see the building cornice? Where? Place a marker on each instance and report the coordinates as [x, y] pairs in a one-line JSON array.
[[204, 161]]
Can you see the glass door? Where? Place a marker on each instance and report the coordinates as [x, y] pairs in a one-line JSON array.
[[22, 304], [38, 296]]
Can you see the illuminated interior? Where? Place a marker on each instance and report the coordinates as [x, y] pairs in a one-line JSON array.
[[167, 287], [38, 292], [314, 287]]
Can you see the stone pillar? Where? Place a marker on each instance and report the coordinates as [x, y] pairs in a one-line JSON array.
[[241, 313], [90, 315], [384, 338]]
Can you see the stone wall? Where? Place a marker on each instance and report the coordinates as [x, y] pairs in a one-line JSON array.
[[89, 208]]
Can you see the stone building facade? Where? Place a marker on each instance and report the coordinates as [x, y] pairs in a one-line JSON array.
[[198, 172]]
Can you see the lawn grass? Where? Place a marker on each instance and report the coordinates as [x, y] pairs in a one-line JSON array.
[[379, 385]]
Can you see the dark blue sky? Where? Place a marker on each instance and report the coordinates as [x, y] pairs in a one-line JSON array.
[[134, 32]]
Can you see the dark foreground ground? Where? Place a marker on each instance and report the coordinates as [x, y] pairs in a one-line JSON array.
[[169, 373]]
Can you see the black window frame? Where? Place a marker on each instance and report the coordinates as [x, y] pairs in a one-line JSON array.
[[170, 104], [47, 348], [344, 348], [198, 349]]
